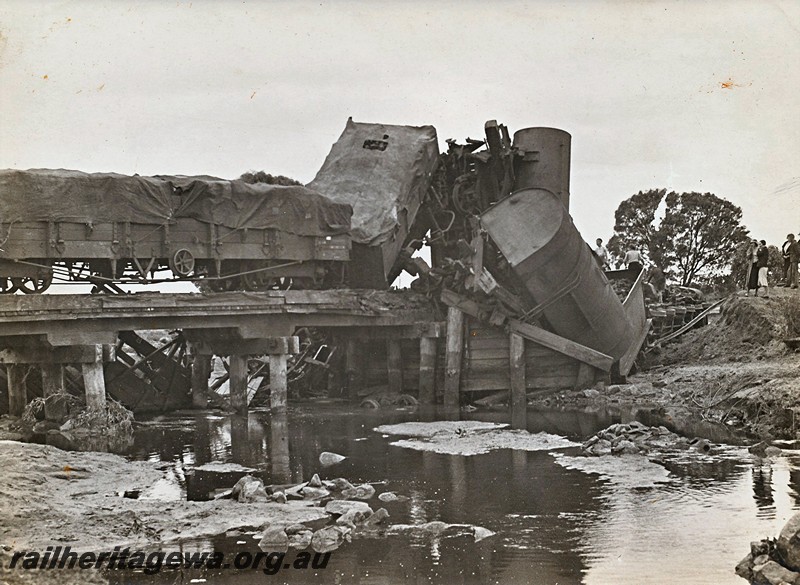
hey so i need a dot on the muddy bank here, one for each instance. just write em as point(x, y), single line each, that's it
point(736, 372)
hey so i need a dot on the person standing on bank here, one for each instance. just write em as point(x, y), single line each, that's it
point(601, 254)
point(633, 260)
point(763, 265)
point(786, 259)
point(794, 259)
point(752, 268)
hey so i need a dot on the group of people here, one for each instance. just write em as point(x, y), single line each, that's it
point(632, 261)
point(758, 265)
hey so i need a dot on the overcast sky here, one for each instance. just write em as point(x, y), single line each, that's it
point(701, 96)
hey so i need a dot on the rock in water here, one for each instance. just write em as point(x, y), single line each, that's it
point(377, 518)
point(774, 574)
point(344, 506)
point(481, 533)
point(789, 543)
point(329, 538)
point(327, 459)
point(315, 481)
point(361, 492)
point(249, 489)
point(274, 540)
point(388, 497)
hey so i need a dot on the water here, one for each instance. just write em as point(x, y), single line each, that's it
point(558, 518)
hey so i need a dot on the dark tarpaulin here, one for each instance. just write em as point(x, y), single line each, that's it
point(379, 169)
point(61, 195)
point(236, 204)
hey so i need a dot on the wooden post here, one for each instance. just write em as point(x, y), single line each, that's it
point(352, 369)
point(394, 366)
point(94, 382)
point(201, 369)
point(278, 386)
point(240, 437)
point(55, 406)
point(452, 372)
point(519, 401)
point(238, 383)
point(17, 389)
point(427, 370)
point(279, 447)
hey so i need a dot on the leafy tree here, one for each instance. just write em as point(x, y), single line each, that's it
point(696, 242)
point(700, 233)
point(635, 226)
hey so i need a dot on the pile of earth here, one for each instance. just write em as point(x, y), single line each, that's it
point(748, 328)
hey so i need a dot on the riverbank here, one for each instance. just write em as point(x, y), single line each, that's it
point(737, 371)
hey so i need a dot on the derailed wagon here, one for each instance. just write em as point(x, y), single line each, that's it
point(108, 228)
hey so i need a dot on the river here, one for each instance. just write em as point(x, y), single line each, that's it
point(558, 518)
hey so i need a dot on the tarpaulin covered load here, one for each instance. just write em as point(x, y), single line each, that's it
point(380, 170)
point(62, 195)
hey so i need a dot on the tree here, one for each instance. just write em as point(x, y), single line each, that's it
point(695, 242)
point(700, 233)
point(635, 226)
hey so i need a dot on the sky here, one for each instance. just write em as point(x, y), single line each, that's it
point(688, 96)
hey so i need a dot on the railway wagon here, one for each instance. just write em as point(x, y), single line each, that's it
point(384, 172)
point(108, 229)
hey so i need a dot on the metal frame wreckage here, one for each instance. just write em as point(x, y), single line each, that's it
point(295, 280)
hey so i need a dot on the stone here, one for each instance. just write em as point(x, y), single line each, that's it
point(745, 568)
point(339, 484)
point(789, 543)
point(700, 445)
point(329, 538)
point(353, 517)
point(481, 533)
point(249, 489)
point(376, 518)
point(625, 447)
point(314, 493)
point(343, 506)
point(774, 574)
point(388, 497)
point(315, 481)
point(326, 459)
point(299, 536)
point(279, 497)
point(360, 492)
point(274, 539)
point(590, 393)
point(772, 451)
point(602, 447)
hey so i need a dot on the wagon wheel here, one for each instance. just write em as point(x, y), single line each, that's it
point(7, 286)
point(33, 286)
point(256, 281)
point(182, 263)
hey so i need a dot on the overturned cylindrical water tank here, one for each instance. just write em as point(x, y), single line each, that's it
point(535, 233)
point(543, 161)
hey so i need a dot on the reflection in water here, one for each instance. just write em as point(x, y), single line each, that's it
point(553, 524)
point(762, 488)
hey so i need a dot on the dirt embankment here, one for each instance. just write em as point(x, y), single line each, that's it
point(737, 370)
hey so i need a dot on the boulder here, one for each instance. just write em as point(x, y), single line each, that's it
point(249, 489)
point(771, 573)
point(326, 459)
point(299, 536)
point(329, 538)
point(274, 539)
point(360, 492)
point(315, 481)
point(353, 517)
point(388, 497)
point(341, 507)
point(789, 543)
point(339, 484)
point(376, 518)
point(314, 493)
